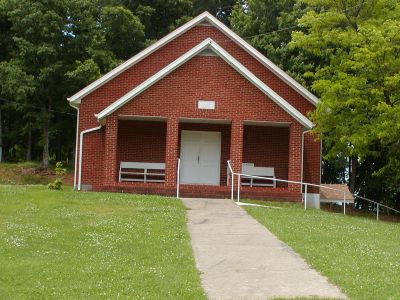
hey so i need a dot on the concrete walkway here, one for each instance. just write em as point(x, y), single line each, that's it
point(240, 259)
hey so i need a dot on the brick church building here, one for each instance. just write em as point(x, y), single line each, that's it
point(184, 108)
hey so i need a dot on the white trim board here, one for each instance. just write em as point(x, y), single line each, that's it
point(142, 118)
point(266, 123)
point(204, 17)
point(210, 44)
point(203, 121)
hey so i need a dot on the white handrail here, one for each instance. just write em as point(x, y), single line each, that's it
point(344, 201)
point(238, 191)
point(232, 177)
point(377, 205)
point(178, 177)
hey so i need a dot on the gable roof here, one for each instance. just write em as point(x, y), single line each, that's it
point(204, 17)
point(207, 44)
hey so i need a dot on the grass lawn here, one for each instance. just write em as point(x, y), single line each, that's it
point(69, 245)
point(361, 256)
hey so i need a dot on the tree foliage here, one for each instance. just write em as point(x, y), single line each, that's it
point(160, 16)
point(268, 25)
point(55, 47)
point(222, 9)
point(49, 49)
point(359, 112)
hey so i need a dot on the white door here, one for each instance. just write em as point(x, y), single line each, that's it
point(200, 157)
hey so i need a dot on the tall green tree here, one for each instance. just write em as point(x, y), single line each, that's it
point(267, 25)
point(222, 9)
point(159, 16)
point(55, 47)
point(359, 112)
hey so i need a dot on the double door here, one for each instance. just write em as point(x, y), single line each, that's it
point(200, 157)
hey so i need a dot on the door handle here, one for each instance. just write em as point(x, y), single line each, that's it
point(198, 159)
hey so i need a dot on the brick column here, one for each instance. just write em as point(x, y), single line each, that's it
point(295, 156)
point(110, 150)
point(312, 162)
point(171, 155)
point(236, 152)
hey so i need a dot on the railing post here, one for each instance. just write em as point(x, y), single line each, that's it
point(305, 196)
point(377, 211)
point(232, 184)
point(238, 191)
point(344, 203)
point(177, 178)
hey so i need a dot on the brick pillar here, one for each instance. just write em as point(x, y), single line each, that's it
point(236, 152)
point(295, 156)
point(171, 154)
point(110, 151)
point(312, 161)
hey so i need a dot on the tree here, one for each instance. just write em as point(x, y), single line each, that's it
point(222, 9)
point(267, 25)
point(159, 16)
point(360, 86)
point(55, 47)
point(124, 33)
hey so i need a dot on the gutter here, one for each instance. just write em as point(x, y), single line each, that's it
point(80, 153)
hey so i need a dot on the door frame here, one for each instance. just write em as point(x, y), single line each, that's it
point(219, 134)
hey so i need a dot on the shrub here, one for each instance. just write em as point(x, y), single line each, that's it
point(55, 185)
point(60, 171)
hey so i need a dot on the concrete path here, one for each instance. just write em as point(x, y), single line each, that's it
point(240, 259)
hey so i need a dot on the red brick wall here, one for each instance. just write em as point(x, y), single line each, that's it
point(267, 147)
point(93, 158)
point(110, 150)
point(140, 141)
point(211, 78)
point(175, 96)
point(117, 87)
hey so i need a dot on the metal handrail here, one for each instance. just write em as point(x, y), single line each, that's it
point(366, 199)
point(178, 177)
point(306, 185)
point(305, 190)
point(232, 177)
point(377, 205)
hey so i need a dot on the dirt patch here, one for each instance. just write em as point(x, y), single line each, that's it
point(30, 173)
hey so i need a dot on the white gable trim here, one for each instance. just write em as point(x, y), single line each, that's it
point(207, 43)
point(76, 98)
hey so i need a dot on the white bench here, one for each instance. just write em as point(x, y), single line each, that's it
point(250, 169)
point(139, 171)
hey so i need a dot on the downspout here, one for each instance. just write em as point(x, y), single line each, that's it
point(80, 152)
point(76, 146)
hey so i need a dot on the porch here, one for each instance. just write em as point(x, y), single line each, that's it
point(204, 146)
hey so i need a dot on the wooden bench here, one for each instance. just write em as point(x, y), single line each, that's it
point(250, 169)
point(141, 171)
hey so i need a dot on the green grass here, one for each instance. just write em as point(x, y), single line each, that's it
point(361, 256)
point(70, 245)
